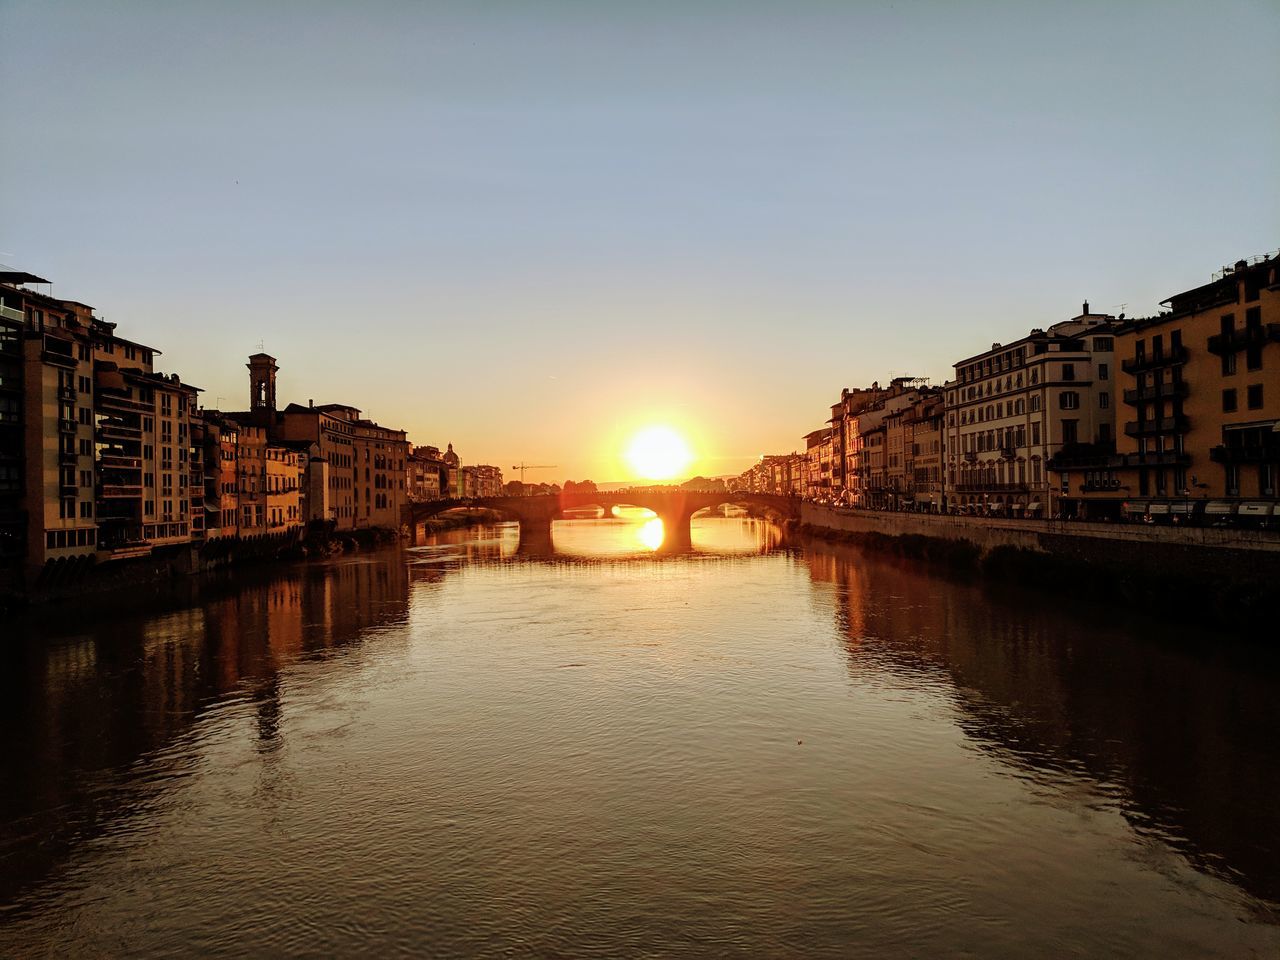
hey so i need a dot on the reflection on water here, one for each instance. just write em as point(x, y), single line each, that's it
point(609, 750)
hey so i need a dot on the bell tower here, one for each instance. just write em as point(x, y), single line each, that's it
point(262, 383)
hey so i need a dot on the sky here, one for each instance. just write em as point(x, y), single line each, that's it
point(533, 228)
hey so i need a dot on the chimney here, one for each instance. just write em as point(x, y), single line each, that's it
point(311, 403)
point(1086, 308)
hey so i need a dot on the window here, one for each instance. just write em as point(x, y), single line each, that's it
point(1229, 400)
point(1069, 400)
point(1068, 371)
point(1103, 344)
point(1254, 396)
point(1035, 403)
point(1104, 400)
point(1253, 357)
point(1070, 431)
point(1104, 373)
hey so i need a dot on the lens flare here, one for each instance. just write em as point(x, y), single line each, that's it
point(658, 453)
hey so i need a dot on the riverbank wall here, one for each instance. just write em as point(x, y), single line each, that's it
point(1209, 573)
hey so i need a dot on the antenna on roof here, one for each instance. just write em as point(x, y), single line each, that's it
point(261, 347)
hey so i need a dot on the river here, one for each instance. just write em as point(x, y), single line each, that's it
point(750, 749)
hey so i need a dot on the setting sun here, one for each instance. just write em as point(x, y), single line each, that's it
point(658, 453)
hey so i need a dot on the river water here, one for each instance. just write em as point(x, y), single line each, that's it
point(749, 749)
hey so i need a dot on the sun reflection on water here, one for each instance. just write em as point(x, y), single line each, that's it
point(650, 533)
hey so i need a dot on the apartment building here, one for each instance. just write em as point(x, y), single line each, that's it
point(924, 448)
point(428, 475)
point(382, 454)
point(867, 465)
point(1014, 407)
point(1200, 388)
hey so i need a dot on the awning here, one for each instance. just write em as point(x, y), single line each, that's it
point(1161, 508)
point(1255, 510)
point(1180, 506)
point(1220, 507)
point(1135, 507)
point(1033, 505)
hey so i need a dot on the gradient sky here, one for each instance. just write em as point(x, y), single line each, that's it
point(529, 228)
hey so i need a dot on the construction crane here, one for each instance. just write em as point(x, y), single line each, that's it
point(522, 467)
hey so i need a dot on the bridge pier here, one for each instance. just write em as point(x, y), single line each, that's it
point(677, 535)
point(535, 538)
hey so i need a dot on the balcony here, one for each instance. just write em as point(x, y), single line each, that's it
point(1008, 452)
point(1174, 355)
point(119, 461)
point(1099, 486)
point(1162, 391)
point(57, 358)
point(991, 488)
point(66, 426)
point(67, 393)
point(1147, 428)
point(118, 431)
point(114, 401)
point(11, 313)
point(120, 491)
point(971, 456)
point(1243, 338)
point(68, 458)
point(1164, 458)
point(1257, 453)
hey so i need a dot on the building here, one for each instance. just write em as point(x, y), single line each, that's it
point(817, 451)
point(427, 474)
point(867, 467)
point(380, 489)
point(1013, 408)
point(1199, 385)
point(453, 469)
point(925, 439)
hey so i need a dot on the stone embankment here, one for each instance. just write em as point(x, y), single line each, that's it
point(1213, 573)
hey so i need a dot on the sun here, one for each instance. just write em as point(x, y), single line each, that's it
point(658, 453)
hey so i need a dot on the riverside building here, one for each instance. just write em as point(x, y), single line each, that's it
point(1012, 408)
point(1200, 389)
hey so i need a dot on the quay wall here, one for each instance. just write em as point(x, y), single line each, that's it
point(1233, 574)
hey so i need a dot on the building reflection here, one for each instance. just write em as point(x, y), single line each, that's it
point(96, 708)
point(1175, 727)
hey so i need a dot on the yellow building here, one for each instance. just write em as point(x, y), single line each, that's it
point(1199, 392)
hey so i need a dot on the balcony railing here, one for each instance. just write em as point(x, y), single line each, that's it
point(115, 491)
point(12, 313)
point(971, 455)
point(66, 393)
point(1243, 338)
point(61, 359)
point(108, 400)
point(114, 461)
point(118, 431)
point(68, 457)
point(66, 426)
point(1163, 458)
point(1008, 452)
point(991, 488)
point(1257, 453)
point(1153, 361)
point(1163, 391)
point(1146, 428)
point(1097, 486)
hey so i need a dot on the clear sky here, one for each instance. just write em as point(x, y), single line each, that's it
point(530, 228)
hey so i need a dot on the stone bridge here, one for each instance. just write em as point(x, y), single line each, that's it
point(675, 507)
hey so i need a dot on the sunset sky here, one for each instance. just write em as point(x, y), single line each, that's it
point(532, 229)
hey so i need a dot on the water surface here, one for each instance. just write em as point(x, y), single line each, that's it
point(601, 750)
